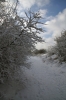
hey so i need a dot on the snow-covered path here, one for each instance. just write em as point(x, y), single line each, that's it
point(44, 81)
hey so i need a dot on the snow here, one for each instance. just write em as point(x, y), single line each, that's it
point(44, 80)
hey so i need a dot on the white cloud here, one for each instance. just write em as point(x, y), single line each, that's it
point(45, 45)
point(57, 24)
point(27, 4)
point(42, 2)
point(43, 12)
point(42, 45)
point(54, 28)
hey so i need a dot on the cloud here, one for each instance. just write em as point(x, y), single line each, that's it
point(27, 4)
point(45, 45)
point(42, 46)
point(43, 12)
point(55, 25)
point(42, 2)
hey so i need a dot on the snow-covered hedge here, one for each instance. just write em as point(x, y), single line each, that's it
point(61, 46)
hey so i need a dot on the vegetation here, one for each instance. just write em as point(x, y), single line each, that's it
point(41, 51)
point(60, 48)
point(51, 50)
point(17, 38)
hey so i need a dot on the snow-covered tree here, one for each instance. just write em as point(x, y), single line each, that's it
point(17, 38)
point(61, 46)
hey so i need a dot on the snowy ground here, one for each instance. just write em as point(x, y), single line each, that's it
point(44, 80)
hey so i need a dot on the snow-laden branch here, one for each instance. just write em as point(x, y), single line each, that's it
point(18, 36)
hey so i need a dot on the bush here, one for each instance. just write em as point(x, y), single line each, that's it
point(41, 51)
point(61, 46)
point(51, 51)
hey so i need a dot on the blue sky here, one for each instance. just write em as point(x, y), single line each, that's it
point(56, 6)
point(53, 7)
point(54, 12)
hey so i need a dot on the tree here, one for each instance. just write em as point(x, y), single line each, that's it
point(61, 46)
point(17, 38)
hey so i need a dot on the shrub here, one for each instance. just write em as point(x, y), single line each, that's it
point(61, 46)
point(51, 51)
point(41, 51)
